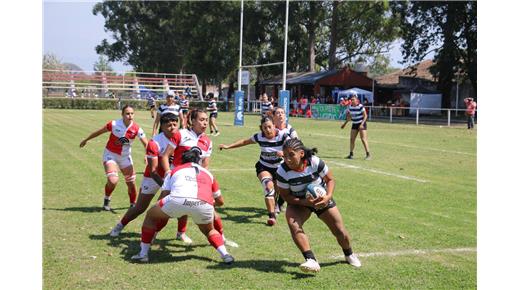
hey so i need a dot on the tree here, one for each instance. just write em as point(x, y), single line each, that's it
point(52, 62)
point(380, 65)
point(102, 64)
point(449, 30)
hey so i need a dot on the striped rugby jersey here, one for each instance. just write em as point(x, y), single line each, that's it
point(356, 113)
point(265, 107)
point(269, 147)
point(185, 104)
point(297, 182)
point(290, 131)
point(212, 107)
point(173, 108)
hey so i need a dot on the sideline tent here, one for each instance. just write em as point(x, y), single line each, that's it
point(362, 94)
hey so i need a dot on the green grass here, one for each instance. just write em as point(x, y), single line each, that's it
point(383, 211)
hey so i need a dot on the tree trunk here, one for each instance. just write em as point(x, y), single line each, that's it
point(312, 36)
point(333, 35)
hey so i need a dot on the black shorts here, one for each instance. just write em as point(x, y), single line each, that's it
point(318, 212)
point(152, 106)
point(185, 111)
point(260, 167)
point(356, 126)
point(213, 115)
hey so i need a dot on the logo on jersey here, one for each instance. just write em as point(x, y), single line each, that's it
point(123, 141)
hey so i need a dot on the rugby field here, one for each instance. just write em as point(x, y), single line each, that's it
point(411, 211)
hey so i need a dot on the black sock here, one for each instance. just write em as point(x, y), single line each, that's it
point(280, 201)
point(272, 215)
point(308, 255)
point(347, 252)
point(368, 153)
point(351, 153)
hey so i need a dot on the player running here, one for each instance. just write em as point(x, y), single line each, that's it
point(169, 107)
point(151, 104)
point(117, 152)
point(300, 168)
point(185, 107)
point(266, 107)
point(153, 174)
point(190, 189)
point(270, 141)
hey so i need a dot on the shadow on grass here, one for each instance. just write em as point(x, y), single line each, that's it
point(271, 266)
point(129, 244)
point(252, 213)
point(88, 209)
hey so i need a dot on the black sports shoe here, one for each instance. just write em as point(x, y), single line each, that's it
point(350, 156)
point(106, 204)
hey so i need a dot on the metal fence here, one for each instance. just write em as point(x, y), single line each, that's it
point(390, 114)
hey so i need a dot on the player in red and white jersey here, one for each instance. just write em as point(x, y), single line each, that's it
point(191, 190)
point(153, 174)
point(117, 152)
point(183, 140)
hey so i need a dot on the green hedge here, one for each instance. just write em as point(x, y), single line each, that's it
point(111, 104)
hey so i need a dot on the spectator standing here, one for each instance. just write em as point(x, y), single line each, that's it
point(471, 108)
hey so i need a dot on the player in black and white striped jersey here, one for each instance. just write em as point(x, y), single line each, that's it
point(185, 108)
point(266, 107)
point(213, 114)
point(169, 107)
point(300, 168)
point(270, 141)
point(357, 113)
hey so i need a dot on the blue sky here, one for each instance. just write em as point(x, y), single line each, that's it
point(71, 32)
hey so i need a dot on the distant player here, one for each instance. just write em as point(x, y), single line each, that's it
point(270, 141)
point(185, 108)
point(300, 168)
point(213, 114)
point(117, 153)
point(153, 174)
point(169, 107)
point(357, 113)
point(190, 189)
point(266, 107)
point(151, 104)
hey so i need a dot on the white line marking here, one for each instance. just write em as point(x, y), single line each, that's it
point(401, 145)
point(377, 171)
point(411, 252)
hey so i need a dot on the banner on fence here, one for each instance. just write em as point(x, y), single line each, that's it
point(239, 108)
point(284, 102)
point(330, 112)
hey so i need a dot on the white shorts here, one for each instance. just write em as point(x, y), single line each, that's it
point(200, 211)
point(121, 161)
point(149, 186)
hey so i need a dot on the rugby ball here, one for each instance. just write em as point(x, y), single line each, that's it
point(315, 190)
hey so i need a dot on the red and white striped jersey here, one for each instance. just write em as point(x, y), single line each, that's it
point(184, 139)
point(155, 149)
point(191, 180)
point(121, 137)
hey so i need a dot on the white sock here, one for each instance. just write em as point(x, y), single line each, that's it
point(144, 249)
point(222, 250)
point(119, 224)
point(223, 238)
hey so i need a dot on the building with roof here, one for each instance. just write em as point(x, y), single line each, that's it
point(315, 83)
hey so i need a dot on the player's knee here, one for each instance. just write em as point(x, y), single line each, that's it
point(268, 186)
point(112, 177)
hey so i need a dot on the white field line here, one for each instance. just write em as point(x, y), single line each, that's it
point(401, 145)
point(411, 253)
point(377, 171)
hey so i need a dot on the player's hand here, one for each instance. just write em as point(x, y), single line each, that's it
point(321, 202)
point(343, 126)
point(82, 144)
point(223, 146)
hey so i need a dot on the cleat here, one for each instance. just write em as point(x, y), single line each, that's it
point(132, 205)
point(230, 243)
point(350, 157)
point(271, 221)
point(183, 237)
point(228, 259)
point(116, 230)
point(139, 258)
point(310, 265)
point(353, 260)
point(106, 204)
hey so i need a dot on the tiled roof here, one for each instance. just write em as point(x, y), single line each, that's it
point(422, 72)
